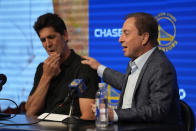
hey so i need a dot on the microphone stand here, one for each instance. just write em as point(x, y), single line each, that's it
point(76, 87)
point(71, 119)
point(4, 116)
point(3, 80)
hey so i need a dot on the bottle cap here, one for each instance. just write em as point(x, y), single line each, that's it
point(101, 85)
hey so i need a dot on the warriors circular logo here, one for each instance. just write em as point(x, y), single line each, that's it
point(167, 31)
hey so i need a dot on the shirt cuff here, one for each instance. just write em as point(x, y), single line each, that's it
point(115, 116)
point(100, 70)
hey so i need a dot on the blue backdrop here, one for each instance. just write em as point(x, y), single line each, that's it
point(177, 36)
point(21, 50)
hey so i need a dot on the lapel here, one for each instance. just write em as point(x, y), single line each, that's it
point(142, 72)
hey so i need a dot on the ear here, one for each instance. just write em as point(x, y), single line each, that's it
point(145, 38)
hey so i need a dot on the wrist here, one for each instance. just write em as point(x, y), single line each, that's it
point(98, 66)
point(46, 77)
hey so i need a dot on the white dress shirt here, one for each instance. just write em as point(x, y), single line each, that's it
point(130, 86)
point(136, 66)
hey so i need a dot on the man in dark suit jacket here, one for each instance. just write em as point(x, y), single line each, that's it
point(149, 90)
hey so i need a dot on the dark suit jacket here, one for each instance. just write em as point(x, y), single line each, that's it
point(156, 95)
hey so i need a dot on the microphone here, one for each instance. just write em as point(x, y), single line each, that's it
point(77, 87)
point(3, 80)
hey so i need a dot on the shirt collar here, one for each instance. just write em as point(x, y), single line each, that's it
point(69, 60)
point(141, 60)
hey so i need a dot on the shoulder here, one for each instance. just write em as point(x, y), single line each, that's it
point(158, 64)
point(40, 67)
point(82, 71)
point(83, 67)
point(159, 58)
point(39, 71)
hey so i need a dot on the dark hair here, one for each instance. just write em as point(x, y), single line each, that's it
point(50, 20)
point(146, 23)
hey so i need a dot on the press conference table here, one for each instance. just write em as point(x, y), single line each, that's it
point(84, 126)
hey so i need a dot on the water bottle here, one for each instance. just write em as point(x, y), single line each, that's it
point(101, 102)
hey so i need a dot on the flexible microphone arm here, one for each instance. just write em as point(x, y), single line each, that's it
point(71, 119)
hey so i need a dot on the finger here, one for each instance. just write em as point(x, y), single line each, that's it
point(85, 61)
point(51, 65)
point(52, 59)
point(88, 58)
point(85, 57)
point(55, 64)
point(54, 56)
point(93, 107)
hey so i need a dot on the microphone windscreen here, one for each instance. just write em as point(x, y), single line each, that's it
point(3, 79)
point(78, 86)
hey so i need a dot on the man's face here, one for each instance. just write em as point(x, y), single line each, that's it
point(52, 41)
point(130, 39)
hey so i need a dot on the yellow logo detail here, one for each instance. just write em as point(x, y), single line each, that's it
point(113, 97)
point(167, 31)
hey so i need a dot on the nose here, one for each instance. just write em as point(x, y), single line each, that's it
point(121, 39)
point(48, 43)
